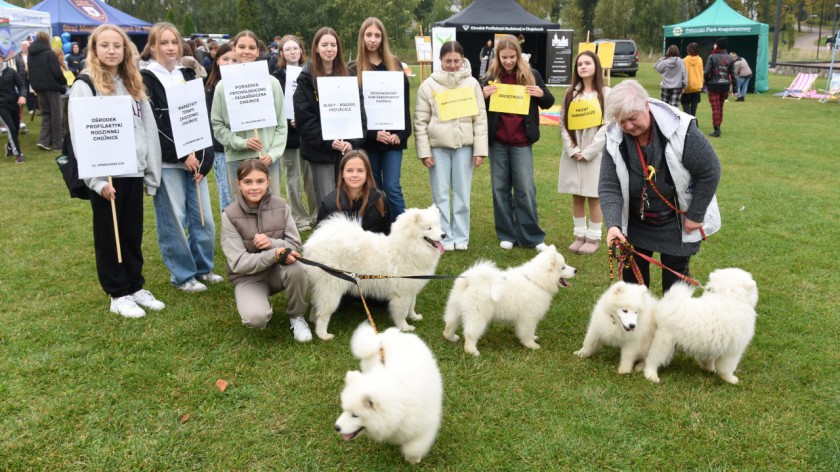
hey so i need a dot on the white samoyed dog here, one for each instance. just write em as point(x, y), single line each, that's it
point(715, 328)
point(413, 248)
point(519, 295)
point(623, 318)
point(398, 402)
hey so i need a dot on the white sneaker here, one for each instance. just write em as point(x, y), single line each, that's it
point(145, 299)
point(449, 247)
point(541, 247)
point(192, 285)
point(300, 329)
point(461, 247)
point(210, 278)
point(506, 245)
point(125, 306)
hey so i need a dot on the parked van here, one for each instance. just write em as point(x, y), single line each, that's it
point(626, 59)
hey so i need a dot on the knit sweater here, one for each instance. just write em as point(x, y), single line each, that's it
point(672, 71)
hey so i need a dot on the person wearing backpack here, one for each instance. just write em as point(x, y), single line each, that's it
point(12, 97)
point(112, 67)
point(718, 74)
point(187, 243)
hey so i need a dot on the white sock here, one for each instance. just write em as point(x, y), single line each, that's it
point(580, 227)
point(594, 231)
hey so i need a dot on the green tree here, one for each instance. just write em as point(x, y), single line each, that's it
point(170, 17)
point(611, 17)
point(246, 16)
point(188, 27)
point(571, 17)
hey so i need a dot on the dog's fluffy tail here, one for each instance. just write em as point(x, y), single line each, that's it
point(678, 292)
point(365, 342)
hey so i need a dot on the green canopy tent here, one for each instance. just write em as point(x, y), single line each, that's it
point(746, 37)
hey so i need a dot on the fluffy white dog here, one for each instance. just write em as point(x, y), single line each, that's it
point(519, 295)
point(715, 328)
point(623, 317)
point(413, 248)
point(398, 402)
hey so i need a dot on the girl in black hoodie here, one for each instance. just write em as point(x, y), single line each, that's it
point(12, 97)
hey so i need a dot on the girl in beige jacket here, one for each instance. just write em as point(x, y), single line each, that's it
point(450, 149)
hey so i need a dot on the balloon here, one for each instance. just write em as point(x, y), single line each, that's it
point(65, 38)
point(56, 42)
point(66, 47)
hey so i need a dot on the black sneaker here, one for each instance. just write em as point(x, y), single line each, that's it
point(19, 159)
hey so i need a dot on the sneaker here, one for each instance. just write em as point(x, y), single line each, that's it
point(506, 245)
point(192, 285)
point(19, 159)
point(541, 247)
point(579, 242)
point(210, 278)
point(125, 306)
point(461, 247)
point(145, 299)
point(300, 329)
point(42, 147)
point(590, 246)
point(449, 247)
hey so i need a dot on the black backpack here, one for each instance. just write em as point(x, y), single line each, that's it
point(67, 163)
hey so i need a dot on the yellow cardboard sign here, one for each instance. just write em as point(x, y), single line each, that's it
point(585, 114)
point(586, 47)
point(510, 98)
point(456, 103)
point(606, 51)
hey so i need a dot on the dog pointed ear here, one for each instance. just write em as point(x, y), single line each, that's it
point(352, 376)
point(618, 288)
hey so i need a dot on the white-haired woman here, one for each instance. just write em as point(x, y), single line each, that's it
point(658, 180)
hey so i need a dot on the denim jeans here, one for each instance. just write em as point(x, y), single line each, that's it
point(515, 195)
point(177, 213)
point(222, 185)
point(274, 176)
point(743, 85)
point(386, 167)
point(453, 170)
point(298, 182)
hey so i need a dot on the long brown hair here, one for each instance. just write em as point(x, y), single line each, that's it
point(524, 75)
point(316, 64)
point(368, 187)
point(281, 60)
point(127, 70)
point(215, 70)
point(155, 35)
point(362, 60)
point(578, 87)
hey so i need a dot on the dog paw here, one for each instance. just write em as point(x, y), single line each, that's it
point(415, 316)
point(623, 369)
point(406, 327)
point(640, 367)
point(581, 353)
point(652, 377)
point(471, 350)
point(325, 336)
point(531, 345)
point(413, 460)
point(730, 378)
point(452, 338)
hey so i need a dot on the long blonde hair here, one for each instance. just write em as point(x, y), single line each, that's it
point(127, 70)
point(524, 76)
point(362, 60)
point(155, 35)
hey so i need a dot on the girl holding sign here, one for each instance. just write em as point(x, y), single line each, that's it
point(384, 148)
point(267, 144)
point(187, 240)
point(582, 131)
point(450, 125)
point(298, 174)
point(323, 156)
point(511, 155)
point(112, 67)
point(224, 56)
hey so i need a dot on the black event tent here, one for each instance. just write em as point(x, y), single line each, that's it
point(483, 19)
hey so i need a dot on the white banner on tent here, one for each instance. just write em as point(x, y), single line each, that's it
point(292, 73)
point(103, 128)
point(440, 36)
point(384, 99)
point(189, 118)
point(248, 95)
point(341, 114)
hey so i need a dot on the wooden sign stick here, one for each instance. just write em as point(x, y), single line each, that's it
point(116, 227)
point(198, 196)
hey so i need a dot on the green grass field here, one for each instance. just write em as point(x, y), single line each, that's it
point(83, 389)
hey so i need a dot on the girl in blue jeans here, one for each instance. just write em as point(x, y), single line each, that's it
point(511, 139)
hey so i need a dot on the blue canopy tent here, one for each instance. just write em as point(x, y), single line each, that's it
point(24, 23)
point(81, 17)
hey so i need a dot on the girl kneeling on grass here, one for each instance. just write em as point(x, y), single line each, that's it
point(357, 196)
point(112, 67)
point(261, 244)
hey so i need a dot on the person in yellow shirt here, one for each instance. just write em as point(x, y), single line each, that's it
point(694, 70)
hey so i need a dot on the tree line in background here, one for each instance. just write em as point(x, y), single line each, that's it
point(641, 20)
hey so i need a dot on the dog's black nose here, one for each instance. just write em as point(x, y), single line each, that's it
point(442, 235)
point(632, 325)
point(574, 271)
point(337, 428)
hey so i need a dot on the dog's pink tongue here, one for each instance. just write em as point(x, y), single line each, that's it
point(439, 246)
point(348, 437)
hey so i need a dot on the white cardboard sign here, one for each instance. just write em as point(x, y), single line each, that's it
point(248, 95)
point(341, 114)
point(292, 73)
point(103, 132)
point(189, 118)
point(384, 99)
